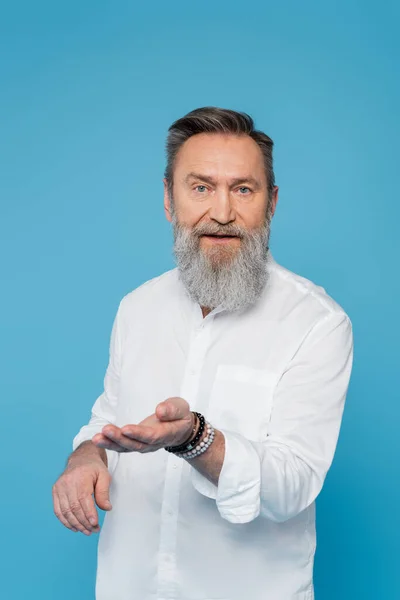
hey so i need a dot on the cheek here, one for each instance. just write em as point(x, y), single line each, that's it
point(192, 215)
point(250, 222)
point(253, 217)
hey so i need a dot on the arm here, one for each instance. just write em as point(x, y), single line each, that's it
point(87, 450)
point(104, 409)
point(210, 463)
point(281, 477)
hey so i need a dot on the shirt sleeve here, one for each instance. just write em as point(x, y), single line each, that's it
point(281, 476)
point(103, 411)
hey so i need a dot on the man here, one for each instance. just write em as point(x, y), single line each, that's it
point(222, 399)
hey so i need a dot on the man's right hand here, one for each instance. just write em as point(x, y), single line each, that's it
point(73, 502)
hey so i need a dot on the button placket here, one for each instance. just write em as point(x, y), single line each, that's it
point(170, 506)
point(197, 351)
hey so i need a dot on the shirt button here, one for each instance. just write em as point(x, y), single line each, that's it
point(174, 466)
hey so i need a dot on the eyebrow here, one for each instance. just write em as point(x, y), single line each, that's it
point(211, 180)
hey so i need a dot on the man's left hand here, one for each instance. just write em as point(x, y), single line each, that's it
point(170, 425)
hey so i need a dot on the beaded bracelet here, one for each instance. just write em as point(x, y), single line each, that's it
point(202, 446)
point(190, 443)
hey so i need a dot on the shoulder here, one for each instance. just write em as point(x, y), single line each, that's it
point(150, 293)
point(303, 295)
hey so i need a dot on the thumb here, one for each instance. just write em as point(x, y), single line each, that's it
point(101, 491)
point(172, 409)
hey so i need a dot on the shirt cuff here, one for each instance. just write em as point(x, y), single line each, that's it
point(112, 460)
point(238, 492)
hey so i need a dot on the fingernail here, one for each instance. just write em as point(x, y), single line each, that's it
point(93, 521)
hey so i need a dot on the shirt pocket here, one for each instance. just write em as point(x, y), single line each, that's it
point(241, 400)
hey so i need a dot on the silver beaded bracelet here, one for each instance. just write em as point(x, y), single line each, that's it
point(201, 446)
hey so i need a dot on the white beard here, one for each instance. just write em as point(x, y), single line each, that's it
point(226, 275)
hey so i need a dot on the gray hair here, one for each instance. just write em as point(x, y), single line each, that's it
point(211, 119)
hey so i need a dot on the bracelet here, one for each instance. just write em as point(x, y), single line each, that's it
point(202, 446)
point(190, 440)
point(190, 443)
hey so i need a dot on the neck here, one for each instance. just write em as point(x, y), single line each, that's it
point(205, 311)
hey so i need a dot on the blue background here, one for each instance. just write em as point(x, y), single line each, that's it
point(88, 90)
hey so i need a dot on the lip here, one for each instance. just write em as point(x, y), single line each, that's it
point(220, 239)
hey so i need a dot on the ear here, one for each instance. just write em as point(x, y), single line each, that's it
point(274, 200)
point(167, 202)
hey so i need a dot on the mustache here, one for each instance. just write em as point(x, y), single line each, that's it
point(229, 232)
point(232, 230)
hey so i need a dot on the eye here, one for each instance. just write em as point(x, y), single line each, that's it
point(244, 188)
point(200, 186)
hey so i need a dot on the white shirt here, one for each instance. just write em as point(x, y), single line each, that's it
point(273, 379)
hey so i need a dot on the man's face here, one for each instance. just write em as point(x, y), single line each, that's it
point(220, 188)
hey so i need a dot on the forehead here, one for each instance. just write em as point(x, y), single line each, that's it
point(220, 155)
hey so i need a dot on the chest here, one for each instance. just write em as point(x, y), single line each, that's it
point(227, 373)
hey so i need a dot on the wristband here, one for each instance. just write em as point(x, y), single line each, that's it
point(192, 441)
point(202, 446)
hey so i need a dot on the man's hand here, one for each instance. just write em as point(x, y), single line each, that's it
point(170, 425)
point(73, 501)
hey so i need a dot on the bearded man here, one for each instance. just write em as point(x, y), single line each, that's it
point(223, 396)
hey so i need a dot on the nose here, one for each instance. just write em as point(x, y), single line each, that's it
point(221, 207)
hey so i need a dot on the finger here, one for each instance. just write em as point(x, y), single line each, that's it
point(69, 515)
point(142, 433)
point(103, 441)
point(75, 503)
point(113, 434)
point(58, 513)
point(90, 512)
point(102, 492)
point(154, 438)
point(123, 443)
point(172, 409)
